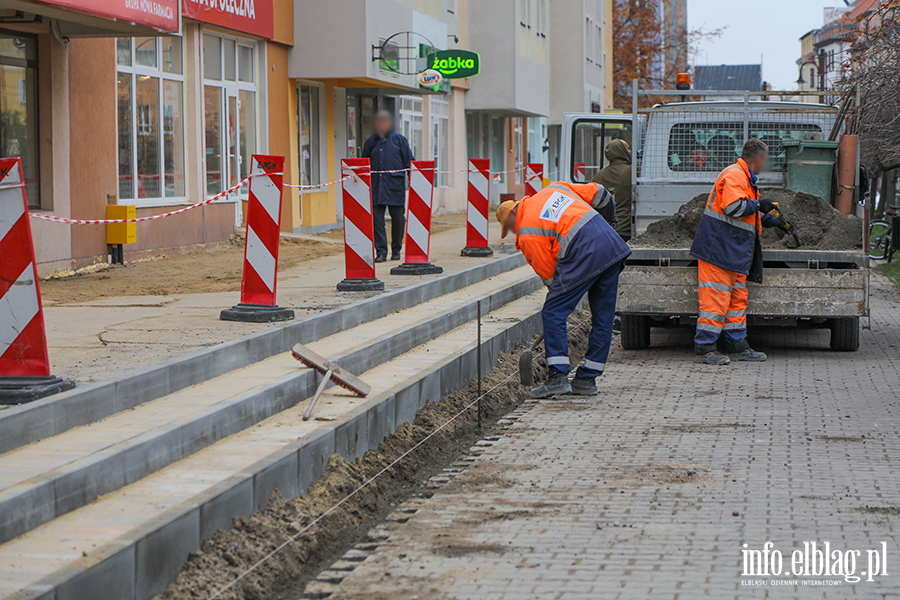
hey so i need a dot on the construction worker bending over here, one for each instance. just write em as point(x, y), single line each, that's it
point(727, 249)
point(575, 251)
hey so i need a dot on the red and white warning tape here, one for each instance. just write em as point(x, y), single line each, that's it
point(218, 196)
point(221, 195)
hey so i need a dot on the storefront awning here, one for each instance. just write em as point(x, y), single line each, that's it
point(97, 18)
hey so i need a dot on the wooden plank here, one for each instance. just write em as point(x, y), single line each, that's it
point(340, 376)
point(785, 292)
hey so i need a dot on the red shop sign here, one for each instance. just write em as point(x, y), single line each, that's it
point(159, 14)
point(255, 17)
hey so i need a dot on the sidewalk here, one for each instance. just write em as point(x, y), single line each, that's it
point(94, 340)
point(651, 488)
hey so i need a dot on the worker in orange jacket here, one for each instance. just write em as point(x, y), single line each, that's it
point(728, 251)
point(566, 233)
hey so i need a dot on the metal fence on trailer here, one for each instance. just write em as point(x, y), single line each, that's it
point(703, 138)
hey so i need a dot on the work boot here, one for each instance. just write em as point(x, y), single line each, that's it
point(712, 358)
point(380, 258)
point(556, 385)
point(748, 355)
point(395, 256)
point(584, 386)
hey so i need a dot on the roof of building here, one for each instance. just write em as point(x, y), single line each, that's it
point(728, 77)
point(859, 8)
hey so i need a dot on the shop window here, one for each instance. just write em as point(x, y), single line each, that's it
point(18, 108)
point(308, 126)
point(150, 100)
point(230, 111)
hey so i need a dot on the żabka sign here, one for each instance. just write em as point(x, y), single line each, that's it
point(255, 17)
point(159, 14)
point(455, 64)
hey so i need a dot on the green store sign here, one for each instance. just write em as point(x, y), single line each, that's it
point(455, 64)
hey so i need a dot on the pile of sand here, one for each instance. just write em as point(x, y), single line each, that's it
point(820, 226)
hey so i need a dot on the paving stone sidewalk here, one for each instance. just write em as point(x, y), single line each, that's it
point(649, 489)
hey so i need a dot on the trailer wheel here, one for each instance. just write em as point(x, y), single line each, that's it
point(845, 334)
point(635, 332)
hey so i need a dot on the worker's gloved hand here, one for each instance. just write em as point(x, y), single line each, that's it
point(767, 206)
point(770, 221)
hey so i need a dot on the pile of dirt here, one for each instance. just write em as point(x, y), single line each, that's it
point(820, 226)
point(228, 554)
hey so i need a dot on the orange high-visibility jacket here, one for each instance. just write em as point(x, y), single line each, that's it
point(548, 227)
point(730, 223)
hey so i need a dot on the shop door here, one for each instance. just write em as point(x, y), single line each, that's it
point(235, 141)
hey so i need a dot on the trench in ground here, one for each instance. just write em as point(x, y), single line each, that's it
point(284, 576)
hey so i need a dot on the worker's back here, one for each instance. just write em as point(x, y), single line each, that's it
point(564, 238)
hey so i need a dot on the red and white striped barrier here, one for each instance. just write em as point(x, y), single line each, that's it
point(24, 363)
point(261, 248)
point(534, 178)
point(359, 229)
point(418, 221)
point(477, 208)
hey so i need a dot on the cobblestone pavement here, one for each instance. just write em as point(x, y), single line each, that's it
point(649, 489)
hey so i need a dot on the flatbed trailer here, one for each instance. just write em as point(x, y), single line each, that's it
point(801, 288)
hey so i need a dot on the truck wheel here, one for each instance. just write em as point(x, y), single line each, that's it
point(845, 334)
point(635, 332)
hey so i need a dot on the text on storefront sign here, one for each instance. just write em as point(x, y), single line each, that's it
point(255, 17)
point(456, 64)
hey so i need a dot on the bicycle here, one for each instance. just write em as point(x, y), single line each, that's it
point(881, 243)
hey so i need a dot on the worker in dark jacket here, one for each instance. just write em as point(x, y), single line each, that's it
point(727, 250)
point(616, 177)
point(565, 234)
point(388, 151)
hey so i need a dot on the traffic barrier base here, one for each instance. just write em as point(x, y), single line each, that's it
point(476, 251)
point(19, 390)
point(361, 285)
point(416, 269)
point(261, 248)
point(256, 313)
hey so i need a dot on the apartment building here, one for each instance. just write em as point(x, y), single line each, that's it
point(825, 52)
point(112, 105)
point(580, 57)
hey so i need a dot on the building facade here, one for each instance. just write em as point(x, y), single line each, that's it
point(580, 80)
point(825, 53)
point(113, 106)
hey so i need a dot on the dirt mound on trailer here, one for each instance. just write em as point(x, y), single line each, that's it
point(820, 226)
point(229, 554)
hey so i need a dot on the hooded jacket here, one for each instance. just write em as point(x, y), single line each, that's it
point(616, 177)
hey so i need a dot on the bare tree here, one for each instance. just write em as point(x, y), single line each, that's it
point(874, 71)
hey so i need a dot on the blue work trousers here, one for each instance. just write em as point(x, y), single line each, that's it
point(601, 291)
